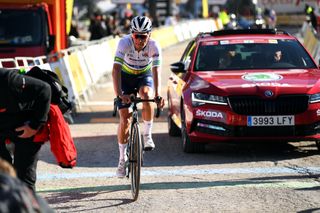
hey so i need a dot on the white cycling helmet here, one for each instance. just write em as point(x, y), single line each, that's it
point(141, 24)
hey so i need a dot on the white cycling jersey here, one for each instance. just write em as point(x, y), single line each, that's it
point(134, 62)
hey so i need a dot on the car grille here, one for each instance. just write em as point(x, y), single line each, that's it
point(282, 105)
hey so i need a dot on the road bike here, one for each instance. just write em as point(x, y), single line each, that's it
point(135, 145)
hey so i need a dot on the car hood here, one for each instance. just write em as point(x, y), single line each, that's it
point(257, 82)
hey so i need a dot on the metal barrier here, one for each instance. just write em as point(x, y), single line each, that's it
point(81, 68)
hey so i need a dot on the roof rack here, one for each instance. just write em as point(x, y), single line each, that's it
point(242, 31)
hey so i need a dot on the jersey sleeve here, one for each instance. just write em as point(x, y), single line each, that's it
point(156, 55)
point(120, 52)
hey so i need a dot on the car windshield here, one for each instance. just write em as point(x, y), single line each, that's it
point(20, 27)
point(252, 54)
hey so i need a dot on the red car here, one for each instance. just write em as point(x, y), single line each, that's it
point(244, 85)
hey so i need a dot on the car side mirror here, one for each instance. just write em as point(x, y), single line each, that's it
point(178, 67)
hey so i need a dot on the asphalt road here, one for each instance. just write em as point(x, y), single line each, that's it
point(254, 177)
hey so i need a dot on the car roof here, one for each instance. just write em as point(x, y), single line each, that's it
point(244, 33)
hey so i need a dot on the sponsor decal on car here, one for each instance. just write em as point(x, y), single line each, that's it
point(209, 114)
point(209, 43)
point(224, 42)
point(273, 41)
point(318, 112)
point(246, 41)
point(262, 77)
point(265, 84)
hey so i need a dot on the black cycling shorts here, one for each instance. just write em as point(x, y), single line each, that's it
point(130, 84)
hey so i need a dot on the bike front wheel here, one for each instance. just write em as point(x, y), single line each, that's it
point(136, 159)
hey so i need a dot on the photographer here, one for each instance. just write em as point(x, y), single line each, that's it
point(24, 107)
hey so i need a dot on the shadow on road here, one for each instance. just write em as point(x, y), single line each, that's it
point(85, 193)
point(102, 151)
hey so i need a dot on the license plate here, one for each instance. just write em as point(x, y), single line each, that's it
point(287, 120)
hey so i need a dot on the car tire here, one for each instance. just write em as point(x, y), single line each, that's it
point(187, 145)
point(173, 129)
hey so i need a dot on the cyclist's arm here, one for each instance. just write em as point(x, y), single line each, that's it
point(116, 77)
point(157, 80)
point(156, 67)
point(117, 65)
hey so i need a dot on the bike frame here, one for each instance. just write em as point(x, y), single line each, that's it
point(135, 145)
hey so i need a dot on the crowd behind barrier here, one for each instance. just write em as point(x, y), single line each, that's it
point(81, 68)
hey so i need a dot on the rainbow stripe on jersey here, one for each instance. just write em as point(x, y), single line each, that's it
point(134, 62)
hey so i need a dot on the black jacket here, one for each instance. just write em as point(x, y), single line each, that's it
point(22, 99)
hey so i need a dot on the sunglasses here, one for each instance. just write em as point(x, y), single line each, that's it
point(140, 36)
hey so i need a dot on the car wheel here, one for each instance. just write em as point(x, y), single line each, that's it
point(187, 145)
point(173, 129)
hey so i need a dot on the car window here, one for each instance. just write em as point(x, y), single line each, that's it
point(252, 54)
point(188, 53)
point(15, 32)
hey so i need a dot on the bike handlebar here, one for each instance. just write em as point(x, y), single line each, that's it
point(136, 100)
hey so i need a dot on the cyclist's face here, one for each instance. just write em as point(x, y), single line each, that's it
point(140, 40)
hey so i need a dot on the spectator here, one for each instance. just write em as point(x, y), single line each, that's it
point(24, 107)
point(312, 17)
point(270, 18)
point(112, 26)
point(224, 17)
point(74, 29)
point(126, 28)
point(97, 27)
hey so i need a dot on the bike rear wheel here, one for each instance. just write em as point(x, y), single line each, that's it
point(135, 160)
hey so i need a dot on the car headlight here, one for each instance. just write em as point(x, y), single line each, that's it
point(314, 98)
point(200, 98)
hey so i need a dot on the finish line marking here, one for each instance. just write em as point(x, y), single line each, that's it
point(159, 172)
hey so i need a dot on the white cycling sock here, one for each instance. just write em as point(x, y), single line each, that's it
point(148, 127)
point(122, 151)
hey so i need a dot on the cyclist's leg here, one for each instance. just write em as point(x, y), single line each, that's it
point(124, 124)
point(146, 92)
point(123, 127)
point(123, 134)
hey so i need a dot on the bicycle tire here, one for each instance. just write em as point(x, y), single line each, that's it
point(136, 158)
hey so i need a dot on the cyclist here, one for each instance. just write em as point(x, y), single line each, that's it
point(136, 68)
